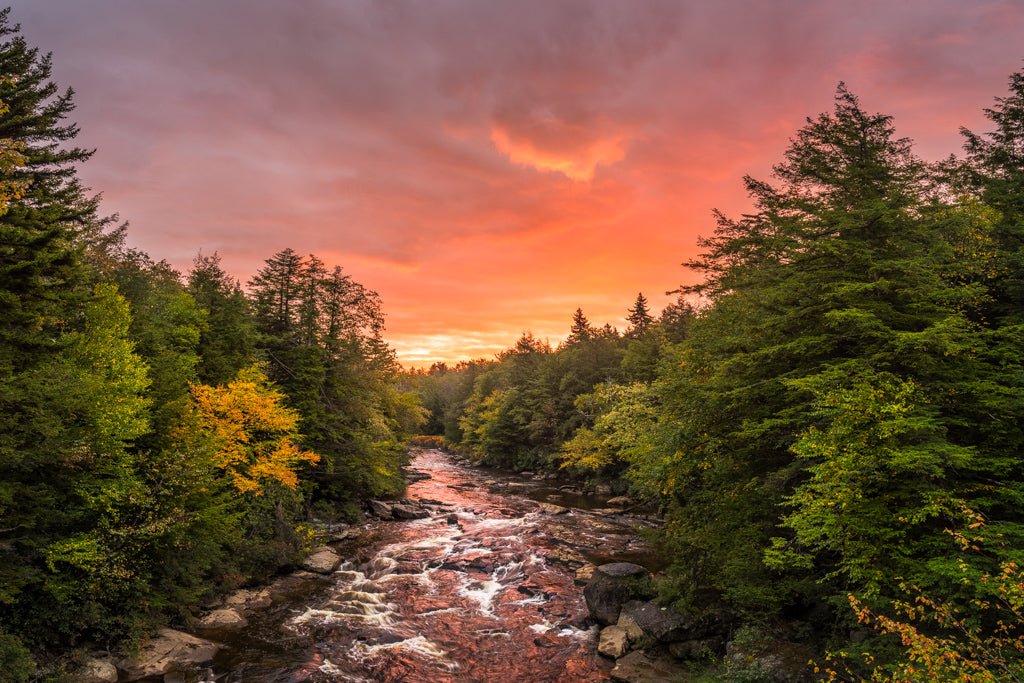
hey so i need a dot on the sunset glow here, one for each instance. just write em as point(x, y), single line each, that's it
point(487, 167)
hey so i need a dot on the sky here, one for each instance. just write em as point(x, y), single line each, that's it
point(488, 167)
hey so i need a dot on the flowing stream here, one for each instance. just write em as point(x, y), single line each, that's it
point(483, 591)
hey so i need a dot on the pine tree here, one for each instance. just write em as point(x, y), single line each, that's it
point(277, 290)
point(640, 318)
point(228, 340)
point(581, 330)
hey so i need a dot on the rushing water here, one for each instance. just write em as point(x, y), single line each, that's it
point(481, 591)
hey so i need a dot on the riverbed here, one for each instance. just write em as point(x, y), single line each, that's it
point(485, 590)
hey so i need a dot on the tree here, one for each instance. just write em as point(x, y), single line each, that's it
point(581, 330)
point(640, 318)
point(227, 342)
point(839, 273)
point(253, 434)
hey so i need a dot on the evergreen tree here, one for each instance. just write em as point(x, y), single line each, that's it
point(581, 330)
point(640, 318)
point(227, 342)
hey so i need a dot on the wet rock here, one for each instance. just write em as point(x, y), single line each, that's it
point(322, 561)
point(401, 511)
point(620, 502)
point(602, 490)
point(778, 661)
point(702, 648)
point(663, 624)
point(613, 642)
point(452, 519)
point(96, 671)
point(641, 667)
point(169, 649)
point(569, 489)
point(584, 574)
point(226, 618)
point(527, 473)
point(248, 599)
point(612, 586)
point(380, 509)
point(552, 509)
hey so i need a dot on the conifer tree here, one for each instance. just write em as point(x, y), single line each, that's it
point(581, 330)
point(640, 318)
point(227, 342)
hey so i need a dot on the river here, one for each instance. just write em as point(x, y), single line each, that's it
point(483, 591)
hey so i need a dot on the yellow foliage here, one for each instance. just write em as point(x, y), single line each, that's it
point(252, 431)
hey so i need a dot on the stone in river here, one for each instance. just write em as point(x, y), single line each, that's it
point(611, 587)
point(620, 501)
point(664, 624)
point(380, 509)
point(169, 649)
point(322, 561)
point(226, 618)
point(552, 509)
point(400, 511)
point(613, 642)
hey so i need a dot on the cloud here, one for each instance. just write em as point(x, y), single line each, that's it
point(487, 166)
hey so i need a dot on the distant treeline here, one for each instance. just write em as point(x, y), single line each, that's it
point(839, 424)
point(162, 437)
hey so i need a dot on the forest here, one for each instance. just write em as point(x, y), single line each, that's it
point(164, 436)
point(831, 421)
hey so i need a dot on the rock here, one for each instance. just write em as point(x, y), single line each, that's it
point(611, 586)
point(620, 502)
point(641, 667)
point(663, 624)
point(226, 618)
point(527, 473)
point(452, 519)
point(569, 489)
point(776, 660)
point(632, 629)
point(552, 509)
point(602, 490)
point(249, 599)
point(613, 642)
point(322, 561)
point(584, 574)
point(169, 649)
point(96, 671)
point(380, 509)
point(408, 512)
point(701, 648)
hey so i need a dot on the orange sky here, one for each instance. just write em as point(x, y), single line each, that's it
point(487, 167)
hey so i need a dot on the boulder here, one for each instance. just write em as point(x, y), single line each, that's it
point(96, 671)
point(641, 667)
point(226, 618)
point(400, 511)
point(613, 642)
point(322, 561)
point(552, 509)
point(620, 502)
point(169, 649)
point(249, 599)
point(632, 629)
point(380, 509)
point(612, 586)
point(663, 624)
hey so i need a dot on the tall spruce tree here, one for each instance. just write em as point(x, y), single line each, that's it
point(640, 318)
point(228, 339)
point(833, 284)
